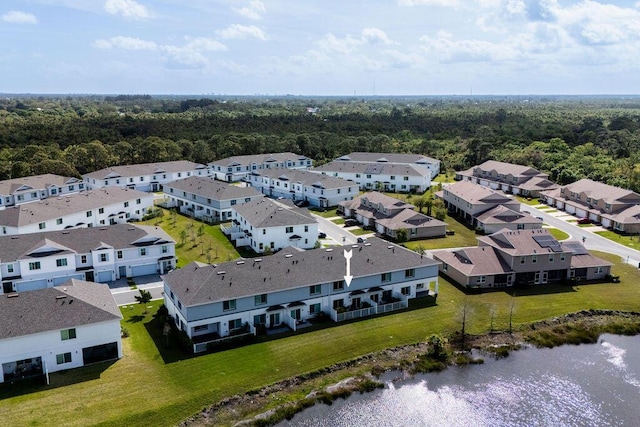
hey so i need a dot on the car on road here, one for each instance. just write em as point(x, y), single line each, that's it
point(361, 239)
point(584, 221)
point(322, 235)
point(350, 222)
point(301, 203)
point(540, 218)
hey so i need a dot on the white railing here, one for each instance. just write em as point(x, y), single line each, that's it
point(369, 311)
point(202, 346)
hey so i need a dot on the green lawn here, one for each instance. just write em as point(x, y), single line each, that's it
point(629, 241)
point(338, 221)
point(531, 202)
point(558, 234)
point(325, 213)
point(211, 246)
point(464, 236)
point(142, 390)
point(360, 231)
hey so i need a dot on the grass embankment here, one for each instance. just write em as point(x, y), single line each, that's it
point(557, 233)
point(206, 245)
point(629, 241)
point(143, 389)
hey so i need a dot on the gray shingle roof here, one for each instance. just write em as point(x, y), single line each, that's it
point(288, 269)
point(81, 240)
point(366, 168)
point(520, 242)
point(474, 193)
point(259, 159)
point(501, 214)
point(474, 261)
point(211, 188)
point(56, 207)
point(359, 156)
point(73, 303)
point(36, 182)
point(145, 169)
point(306, 178)
point(409, 218)
point(265, 213)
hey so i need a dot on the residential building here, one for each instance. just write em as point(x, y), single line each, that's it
point(316, 189)
point(418, 160)
point(401, 178)
point(523, 257)
point(502, 217)
point(508, 177)
point(39, 187)
point(468, 201)
point(289, 288)
point(40, 260)
point(144, 176)
point(85, 209)
point(262, 224)
point(236, 168)
point(387, 215)
point(206, 198)
point(613, 207)
point(54, 329)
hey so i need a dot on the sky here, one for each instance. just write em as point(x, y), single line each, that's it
point(320, 47)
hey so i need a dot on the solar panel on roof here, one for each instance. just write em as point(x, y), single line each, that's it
point(576, 248)
point(547, 241)
point(374, 169)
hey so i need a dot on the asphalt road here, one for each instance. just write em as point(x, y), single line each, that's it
point(334, 231)
point(125, 296)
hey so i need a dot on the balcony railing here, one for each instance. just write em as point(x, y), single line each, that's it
point(369, 311)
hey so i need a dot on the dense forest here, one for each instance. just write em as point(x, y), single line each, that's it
point(568, 137)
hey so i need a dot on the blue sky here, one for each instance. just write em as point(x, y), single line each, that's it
point(320, 47)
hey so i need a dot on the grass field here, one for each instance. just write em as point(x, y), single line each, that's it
point(463, 236)
point(325, 213)
point(558, 234)
point(628, 241)
point(211, 246)
point(141, 389)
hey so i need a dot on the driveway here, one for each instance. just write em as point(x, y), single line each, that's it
point(124, 295)
point(336, 234)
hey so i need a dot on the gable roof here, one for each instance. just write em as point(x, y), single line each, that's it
point(36, 182)
point(501, 215)
point(80, 240)
point(373, 168)
point(290, 268)
point(477, 261)
point(258, 159)
point(408, 158)
point(524, 242)
point(265, 213)
point(305, 177)
point(376, 198)
point(474, 193)
point(211, 188)
point(69, 305)
point(61, 206)
point(600, 191)
point(145, 169)
point(408, 218)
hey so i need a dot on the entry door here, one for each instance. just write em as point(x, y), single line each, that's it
point(88, 276)
point(7, 287)
point(274, 319)
point(536, 278)
point(545, 276)
point(122, 271)
point(295, 314)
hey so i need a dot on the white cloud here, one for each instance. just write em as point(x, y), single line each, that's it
point(254, 11)
point(204, 44)
point(237, 31)
point(428, 2)
point(18, 17)
point(375, 36)
point(349, 43)
point(127, 8)
point(126, 43)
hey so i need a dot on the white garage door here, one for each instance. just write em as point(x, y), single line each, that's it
point(31, 286)
point(143, 270)
point(606, 222)
point(581, 213)
point(104, 276)
point(571, 209)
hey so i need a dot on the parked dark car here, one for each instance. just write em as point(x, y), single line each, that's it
point(584, 221)
point(322, 235)
point(361, 239)
point(350, 222)
point(301, 203)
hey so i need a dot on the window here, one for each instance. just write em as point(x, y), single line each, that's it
point(126, 204)
point(68, 334)
point(551, 257)
point(481, 279)
point(369, 176)
point(534, 259)
point(58, 221)
point(264, 231)
point(385, 277)
point(83, 259)
point(165, 249)
point(9, 268)
point(138, 201)
point(261, 299)
point(259, 319)
point(63, 358)
point(233, 202)
point(562, 257)
point(101, 210)
point(406, 290)
point(314, 308)
point(315, 289)
point(339, 285)
point(410, 273)
point(42, 226)
point(89, 214)
point(393, 177)
point(61, 262)
point(306, 228)
point(104, 257)
point(406, 178)
point(522, 259)
point(119, 254)
point(229, 305)
point(338, 303)
point(200, 328)
point(445, 267)
point(143, 251)
point(34, 265)
point(598, 270)
point(235, 324)
point(289, 230)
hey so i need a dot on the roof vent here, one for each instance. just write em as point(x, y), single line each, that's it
point(354, 246)
point(288, 256)
point(257, 260)
point(390, 247)
point(13, 295)
point(61, 297)
point(330, 250)
point(221, 272)
point(367, 244)
point(239, 262)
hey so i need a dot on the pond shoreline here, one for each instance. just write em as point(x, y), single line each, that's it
point(282, 400)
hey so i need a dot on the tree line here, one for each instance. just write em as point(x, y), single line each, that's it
point(570, 138)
